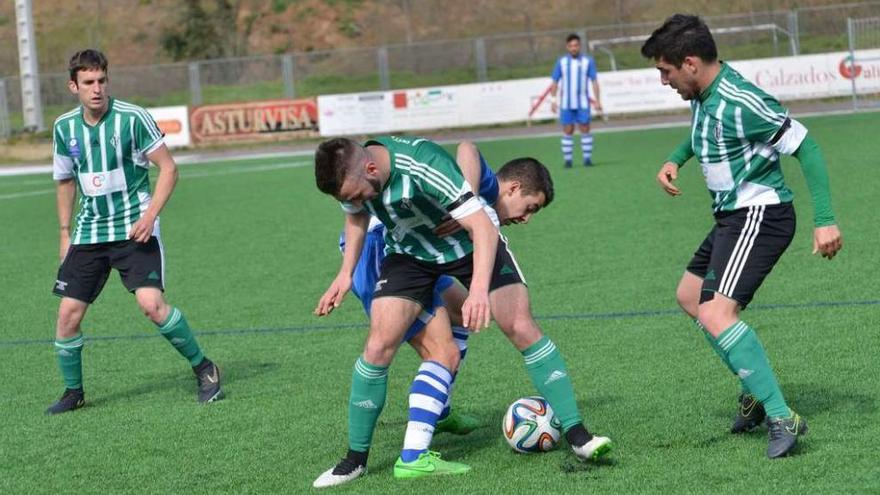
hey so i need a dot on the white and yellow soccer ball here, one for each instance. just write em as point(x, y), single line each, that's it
point(530, 426)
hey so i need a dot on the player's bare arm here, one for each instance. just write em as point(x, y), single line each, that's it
point(355, 233)
point(475, 310)
point(65, 191)
point(143, 228)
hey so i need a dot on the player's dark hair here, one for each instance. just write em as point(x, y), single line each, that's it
point(679, 37)
point(571, 37)
point(333, 160)
point(87, 59)
point(531, 174)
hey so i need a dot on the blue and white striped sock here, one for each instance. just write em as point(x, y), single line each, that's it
point(567, 147)
point(429, 391)
point(460, 335)
point(587, 146)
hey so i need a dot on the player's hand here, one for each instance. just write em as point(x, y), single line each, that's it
point(554, 107)
point(475, 312)
point(668, 173)
point(142, 229)
point(332, 297)
point(827, 240)
point(448, 227)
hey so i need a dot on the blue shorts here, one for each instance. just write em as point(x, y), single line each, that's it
point(579, 116)
point(366, 274)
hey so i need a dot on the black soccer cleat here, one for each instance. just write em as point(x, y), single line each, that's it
point(567, 164)
point(72, 399)
point(749, 415)
point(351, 467)
point(784, 433)
point(208, 376)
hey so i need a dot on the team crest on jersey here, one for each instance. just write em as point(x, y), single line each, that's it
point(719, 131)
point(73, 148)
point(114, 141)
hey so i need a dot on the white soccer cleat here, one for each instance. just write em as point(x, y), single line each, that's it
point(594, 449)
point(341, 473)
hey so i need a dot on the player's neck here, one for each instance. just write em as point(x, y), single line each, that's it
point(708, 75)
point(92, 117)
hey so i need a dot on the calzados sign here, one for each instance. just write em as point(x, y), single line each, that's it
point(274, 119)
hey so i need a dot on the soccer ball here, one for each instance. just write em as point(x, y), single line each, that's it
point(530, 425)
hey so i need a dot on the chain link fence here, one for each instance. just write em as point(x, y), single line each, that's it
point(429, 63)
point(863, 34)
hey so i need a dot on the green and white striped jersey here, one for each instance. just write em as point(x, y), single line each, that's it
point(737, 133)
point(109, 162)
point(425, 187)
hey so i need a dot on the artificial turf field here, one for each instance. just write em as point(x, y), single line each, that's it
point(251, 246)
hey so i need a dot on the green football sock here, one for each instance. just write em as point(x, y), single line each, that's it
point(746, 355)
point(369, 385)
point(176, 330)
point(547, 370)
point(69, 354)
point(721, 354)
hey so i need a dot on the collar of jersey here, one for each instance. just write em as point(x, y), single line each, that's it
point(82, 114)
point(711, 89)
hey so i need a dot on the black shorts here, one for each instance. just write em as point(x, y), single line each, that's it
point(741, 250)
point(86, 267)
point(404, 276)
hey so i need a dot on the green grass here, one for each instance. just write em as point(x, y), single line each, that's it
point(250, 248)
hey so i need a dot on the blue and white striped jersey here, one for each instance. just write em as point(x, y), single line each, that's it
point(573, 76)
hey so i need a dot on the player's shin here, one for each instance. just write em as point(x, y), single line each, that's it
point(176, 330)
point(721, 354)
point(460, 335)
point(69, 354)
point(428, 394)
point(369, 385)
point(747, 357)
point(548, 372)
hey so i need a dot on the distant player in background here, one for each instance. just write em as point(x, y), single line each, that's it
point(571, 75)
point(738, 133)
point(103, 148)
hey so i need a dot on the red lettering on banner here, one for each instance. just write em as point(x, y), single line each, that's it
point(274, 119)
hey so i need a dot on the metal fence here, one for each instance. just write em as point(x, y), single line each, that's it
point(428, 63)
point(862, 34)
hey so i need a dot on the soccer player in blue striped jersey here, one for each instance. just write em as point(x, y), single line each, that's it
point(573, 75)
point(738, 133)
point(103, 150)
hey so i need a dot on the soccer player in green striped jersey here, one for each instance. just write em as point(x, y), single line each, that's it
point(102, 152)
point(738, 133)
point(413, 186)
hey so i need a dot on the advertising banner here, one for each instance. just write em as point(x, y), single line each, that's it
point(622, 92)
point(258, 120)
point(174, 123)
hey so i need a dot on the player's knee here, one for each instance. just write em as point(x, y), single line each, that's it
point(378, 352)
point(154, 309)
point(523, 330)
point(715, 317)
point(688, 301)
point(69, 319)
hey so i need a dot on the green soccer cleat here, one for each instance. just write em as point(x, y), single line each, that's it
point(749, 416)
point(457, 424)
point(428, 464)
point(784, 433)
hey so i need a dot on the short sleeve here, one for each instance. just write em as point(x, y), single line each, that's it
point(557, 72)
point(62, 162)
point(147, 133)
point(440, 178)
point(591, 71)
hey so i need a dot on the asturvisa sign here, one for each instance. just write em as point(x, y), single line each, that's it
point(273, 119)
